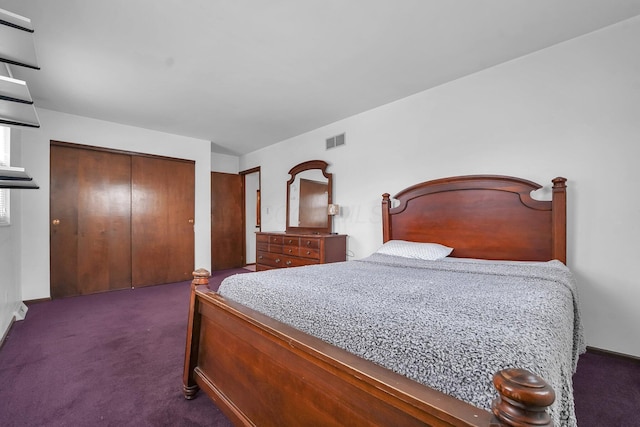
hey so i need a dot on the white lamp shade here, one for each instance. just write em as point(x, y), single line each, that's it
point(333, 209)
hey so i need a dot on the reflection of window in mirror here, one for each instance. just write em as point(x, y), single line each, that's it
point(294, 205)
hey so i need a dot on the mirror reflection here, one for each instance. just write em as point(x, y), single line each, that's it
point(308, 196)
point(308, 199)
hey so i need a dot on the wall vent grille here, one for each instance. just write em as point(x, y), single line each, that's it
point(336, 141)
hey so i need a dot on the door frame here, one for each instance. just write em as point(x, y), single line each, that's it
point(258, 226)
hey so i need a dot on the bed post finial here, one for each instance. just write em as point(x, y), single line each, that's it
point(200, 277)
point(559, 219)
point(386, 218)
point(523, 399)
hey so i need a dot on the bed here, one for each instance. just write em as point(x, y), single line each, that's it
point(263, 369)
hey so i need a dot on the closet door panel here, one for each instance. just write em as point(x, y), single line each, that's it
point(163, 199)
point(90, 228)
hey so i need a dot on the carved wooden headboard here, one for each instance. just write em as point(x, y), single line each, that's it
point(481, 216)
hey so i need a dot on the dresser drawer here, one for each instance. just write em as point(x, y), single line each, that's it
point(311, 253)
point(290, 241)
point(275, 249)
point(309, 243)
point(291, 245)
point(291, 250)
point(299, 262)
point(270, 259)
point(276, 240)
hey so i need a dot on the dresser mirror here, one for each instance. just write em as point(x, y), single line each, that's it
point(308, 197)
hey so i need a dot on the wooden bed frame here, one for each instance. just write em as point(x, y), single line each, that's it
point(262, 372)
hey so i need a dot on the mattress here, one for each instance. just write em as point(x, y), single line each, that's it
point(449, 325)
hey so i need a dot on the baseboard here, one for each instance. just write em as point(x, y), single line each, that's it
point(36, 301)
point(613, 354)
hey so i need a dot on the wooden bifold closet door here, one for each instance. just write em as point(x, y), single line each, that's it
point(90, 228)
point(118, 220)
point(162, 212)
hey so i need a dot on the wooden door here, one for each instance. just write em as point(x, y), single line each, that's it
point(163, 205)
point(90, 229)
point(227, 226)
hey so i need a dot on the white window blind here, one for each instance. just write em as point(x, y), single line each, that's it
point(5, 160)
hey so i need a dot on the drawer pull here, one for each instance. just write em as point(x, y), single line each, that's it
point(308, 242)
point(308, 252)
point(290, 251)
point(260, 257)
point(277, 260)
point(288, 262)
point(290, 240)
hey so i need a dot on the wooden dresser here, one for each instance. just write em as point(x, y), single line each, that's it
point(279, 250)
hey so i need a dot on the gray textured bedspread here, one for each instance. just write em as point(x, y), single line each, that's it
point(448, 325)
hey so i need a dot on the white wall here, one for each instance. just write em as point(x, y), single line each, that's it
point(10, 294)
point(572, 110)
point(224, 163)
point(82, 130)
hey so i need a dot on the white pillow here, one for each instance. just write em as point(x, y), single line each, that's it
point(428, 251)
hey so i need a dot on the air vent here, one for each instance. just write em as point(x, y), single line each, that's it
point(336, 141)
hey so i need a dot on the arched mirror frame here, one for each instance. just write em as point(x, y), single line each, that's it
point(298, 169)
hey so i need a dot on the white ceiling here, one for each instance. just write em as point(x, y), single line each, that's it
point(245, 74)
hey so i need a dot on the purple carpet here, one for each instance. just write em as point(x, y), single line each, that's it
point(607, 391)
point(116, 359)
point(109, 359)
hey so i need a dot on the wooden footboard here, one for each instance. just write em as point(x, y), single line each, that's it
point(262, 372)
